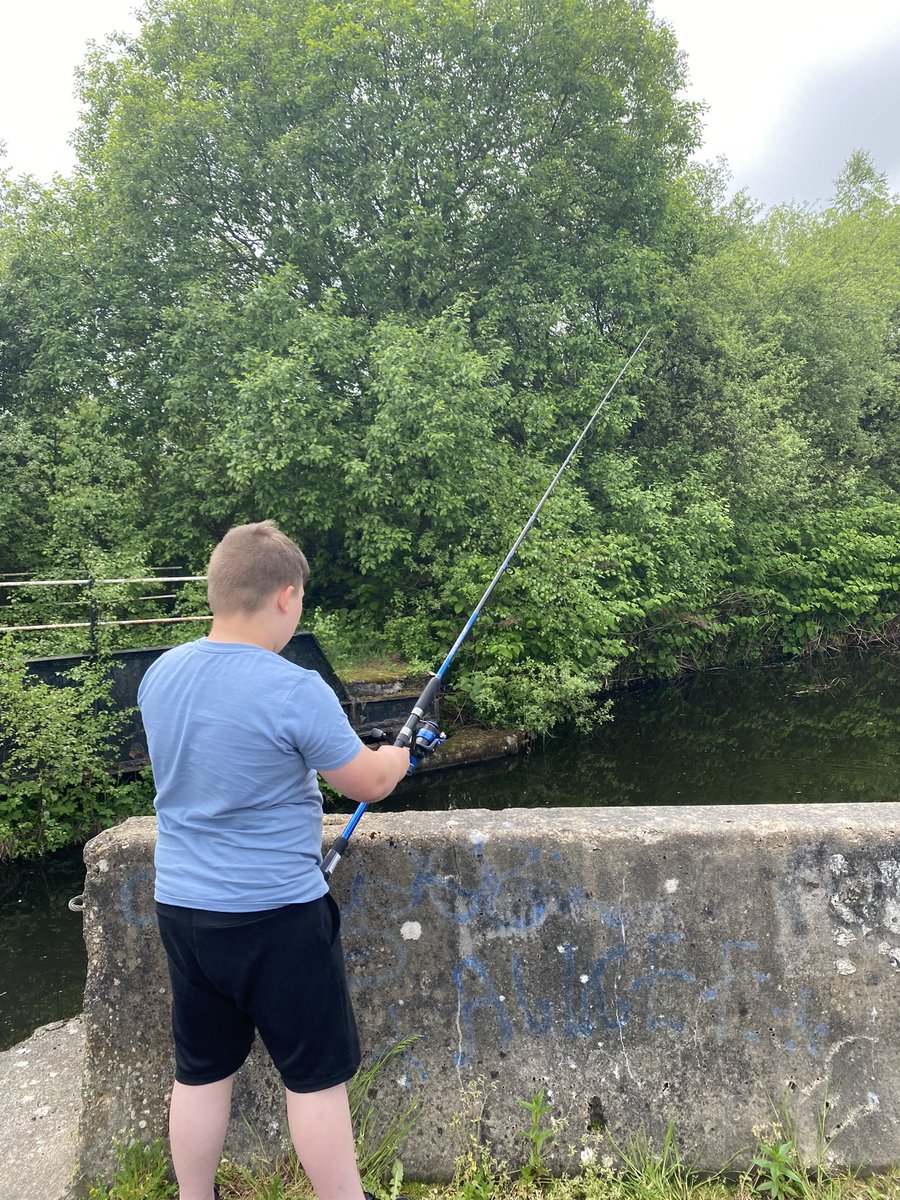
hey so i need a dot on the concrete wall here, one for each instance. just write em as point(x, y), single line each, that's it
point(639, 965)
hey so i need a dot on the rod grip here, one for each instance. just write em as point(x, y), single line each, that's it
point(426, 698)
point(334, 855)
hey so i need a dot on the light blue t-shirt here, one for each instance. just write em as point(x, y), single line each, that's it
point(236, 735)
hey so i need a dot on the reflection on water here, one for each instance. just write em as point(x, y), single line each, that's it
point(794, 734)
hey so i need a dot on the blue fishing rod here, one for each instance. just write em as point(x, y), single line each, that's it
point(423, 736)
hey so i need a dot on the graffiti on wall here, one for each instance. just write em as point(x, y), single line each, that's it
point(530, 952)
point(536, 955)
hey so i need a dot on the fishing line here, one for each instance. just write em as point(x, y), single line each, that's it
point(407, 735)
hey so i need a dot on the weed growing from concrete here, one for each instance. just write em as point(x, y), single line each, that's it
point(143, 1171)
point(634, 1169)
point(281, 1180)
point(534, 1169)
point(379, 1135)
point(649, 1172)
point(477, 1177)
point(777, 1178)
point(779, 1172)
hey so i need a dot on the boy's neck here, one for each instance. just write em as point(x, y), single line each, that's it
point(270, 626)
point(244, 630)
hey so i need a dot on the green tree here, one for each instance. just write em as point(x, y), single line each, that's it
point(368, 268)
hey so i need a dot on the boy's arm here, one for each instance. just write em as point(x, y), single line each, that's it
point(371, 775)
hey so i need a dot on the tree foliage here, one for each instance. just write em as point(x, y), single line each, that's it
point(368, 267)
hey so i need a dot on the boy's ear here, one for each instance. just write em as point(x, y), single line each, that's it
point(283, 597)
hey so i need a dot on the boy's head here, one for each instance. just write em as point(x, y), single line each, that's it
point(249, 565)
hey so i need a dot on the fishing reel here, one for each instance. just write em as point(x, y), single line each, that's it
point(428, 737)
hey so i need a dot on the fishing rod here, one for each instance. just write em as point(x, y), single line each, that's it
point(425, 736)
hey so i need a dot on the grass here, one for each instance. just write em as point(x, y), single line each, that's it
point(145, 1175)
point(632, 1170)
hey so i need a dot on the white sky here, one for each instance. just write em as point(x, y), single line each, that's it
point(792, 86)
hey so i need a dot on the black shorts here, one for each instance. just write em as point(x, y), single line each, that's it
point(280, 972)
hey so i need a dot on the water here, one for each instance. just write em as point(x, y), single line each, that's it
point(41, 948)
point(798, 734)
point(823, 733)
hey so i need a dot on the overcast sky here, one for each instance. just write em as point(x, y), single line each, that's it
point(792, 86)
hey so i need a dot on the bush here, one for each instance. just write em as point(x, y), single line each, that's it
point(57, 784)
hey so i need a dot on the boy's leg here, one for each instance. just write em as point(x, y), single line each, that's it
point(322, 1134)
point(198, 1122)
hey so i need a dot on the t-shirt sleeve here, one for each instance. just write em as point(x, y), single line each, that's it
point(314, 722)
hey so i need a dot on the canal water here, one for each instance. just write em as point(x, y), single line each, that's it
point(827, 732)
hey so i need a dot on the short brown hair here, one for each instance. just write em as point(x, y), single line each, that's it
point(249, 564)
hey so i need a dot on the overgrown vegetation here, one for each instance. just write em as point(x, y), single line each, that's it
point(634, 1170)
point(57, 782)
point(366, 269)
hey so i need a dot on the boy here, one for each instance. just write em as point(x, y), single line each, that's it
point(236, 736)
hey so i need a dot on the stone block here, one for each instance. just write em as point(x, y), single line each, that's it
point(638, 966)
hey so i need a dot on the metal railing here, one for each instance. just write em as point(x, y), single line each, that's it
point(99, 582)
point(94, 622)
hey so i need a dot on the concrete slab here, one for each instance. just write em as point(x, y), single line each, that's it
point(638, 966)
point(40, 1100)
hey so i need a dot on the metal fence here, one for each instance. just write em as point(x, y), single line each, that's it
point(95, 621)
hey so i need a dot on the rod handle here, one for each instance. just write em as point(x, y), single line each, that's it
point(334, 855)
point(426, 698)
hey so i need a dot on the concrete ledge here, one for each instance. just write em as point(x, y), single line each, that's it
point(469, 746)
point(639, 965)
point(40, 1097)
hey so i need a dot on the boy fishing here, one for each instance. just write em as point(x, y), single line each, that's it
point(237, 736)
